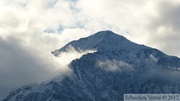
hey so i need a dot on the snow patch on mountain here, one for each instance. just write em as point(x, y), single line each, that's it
point(153, 58)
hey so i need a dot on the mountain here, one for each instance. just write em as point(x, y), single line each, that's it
point(118, 67)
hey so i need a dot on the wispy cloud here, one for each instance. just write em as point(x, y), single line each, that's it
point(65, 57)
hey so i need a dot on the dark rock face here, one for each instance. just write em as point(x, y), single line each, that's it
point(118, 67)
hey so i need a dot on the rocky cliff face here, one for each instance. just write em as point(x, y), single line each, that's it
point(118, 66)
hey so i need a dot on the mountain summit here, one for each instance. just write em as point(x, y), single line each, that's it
point(103, 41)
point(118, 67)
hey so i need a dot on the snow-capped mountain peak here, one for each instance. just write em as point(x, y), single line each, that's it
point(103, 41)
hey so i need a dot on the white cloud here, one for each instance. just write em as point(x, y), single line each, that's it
point(120, 16)
point(137, 20)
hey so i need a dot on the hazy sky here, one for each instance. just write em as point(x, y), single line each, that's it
point(31, 29)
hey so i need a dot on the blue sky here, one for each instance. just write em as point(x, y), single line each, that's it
point(37, 27)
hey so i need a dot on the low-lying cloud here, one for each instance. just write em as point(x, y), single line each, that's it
point(114, 65)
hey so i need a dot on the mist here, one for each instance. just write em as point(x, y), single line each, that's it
point(114, 66)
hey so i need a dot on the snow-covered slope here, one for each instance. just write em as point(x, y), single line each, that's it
point(118, 66)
